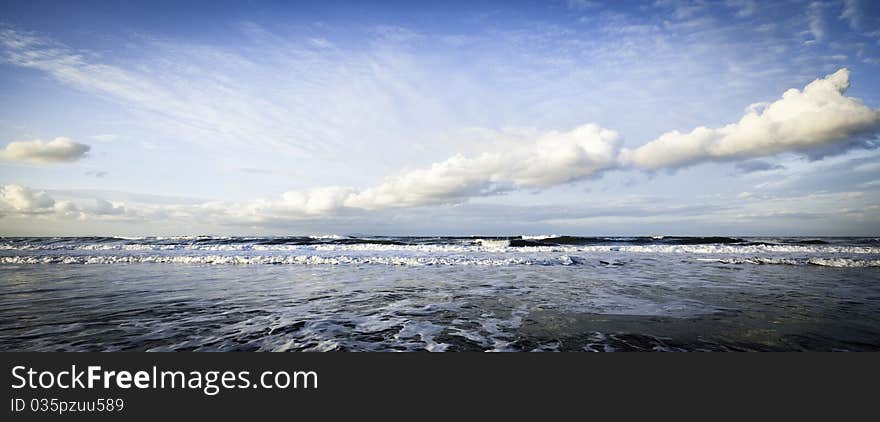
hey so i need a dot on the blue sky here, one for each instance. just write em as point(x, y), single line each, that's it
point(576, 117)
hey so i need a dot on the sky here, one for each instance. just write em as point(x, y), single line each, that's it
point(737, 117)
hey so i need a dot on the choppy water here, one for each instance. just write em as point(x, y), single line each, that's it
point(540, 293)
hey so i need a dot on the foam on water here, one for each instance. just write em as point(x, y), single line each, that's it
point(282, 259)
point(438, 294)
point(824, 262)
point(440, 251)
point(481, 245)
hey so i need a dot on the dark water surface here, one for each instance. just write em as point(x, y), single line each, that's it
point(439, 294)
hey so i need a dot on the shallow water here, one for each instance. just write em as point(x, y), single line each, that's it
point(450, 294)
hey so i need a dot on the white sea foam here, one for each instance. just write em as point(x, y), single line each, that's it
point(478, 246)
point(539, 237)
point(284, 259)
point(498, 244)
point(824, 262)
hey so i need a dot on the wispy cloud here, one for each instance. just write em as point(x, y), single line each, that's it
point(392, 101)
point(220, 97)
point(583, 4)
point(744, 8)
point(683, 9)
point(852, 13)
point(816, 121)
point(816, 20)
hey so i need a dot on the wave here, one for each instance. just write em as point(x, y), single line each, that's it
point(292, 260)
point(514, 246)
point(410, 260)
point(538, 237)
point(822, 262)
point(555, 240)
point(512, 241)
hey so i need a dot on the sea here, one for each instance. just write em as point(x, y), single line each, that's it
point(547, 293)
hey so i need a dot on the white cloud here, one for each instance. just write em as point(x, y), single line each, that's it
point(852, 13)
point(816, 20)
point(521, 160)
point(23, 200)
point(817, 121)
point(545, 160)
point(744, 8)
point(211, 95)
point(682, 9)
point(18, 200)
point(67, 209)
point(550, 159)
point(582, 4)
point(58, 150)
point(104, 207)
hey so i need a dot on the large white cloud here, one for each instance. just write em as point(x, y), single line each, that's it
point(58, 150)
point(23, 201)
point(817, 121)
point(540, 161)
point(550, 159)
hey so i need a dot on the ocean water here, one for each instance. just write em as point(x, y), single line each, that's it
point(525, 293)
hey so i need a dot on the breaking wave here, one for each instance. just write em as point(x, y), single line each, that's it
point(822, 262)
point(289, 260)
point(439, 251)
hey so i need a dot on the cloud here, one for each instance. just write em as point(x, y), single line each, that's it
point(852, 13)
point(21, 199)
point(270, 95)
point(682, 9)
point(103, 207)
point(545, 160)
point(524, 160)
point(582, 4)
point(754, 166)
point(552, 158)
point(816, 20)
point(58, 150)
point(744, 8)
point(96, 173)
point(816, 122)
